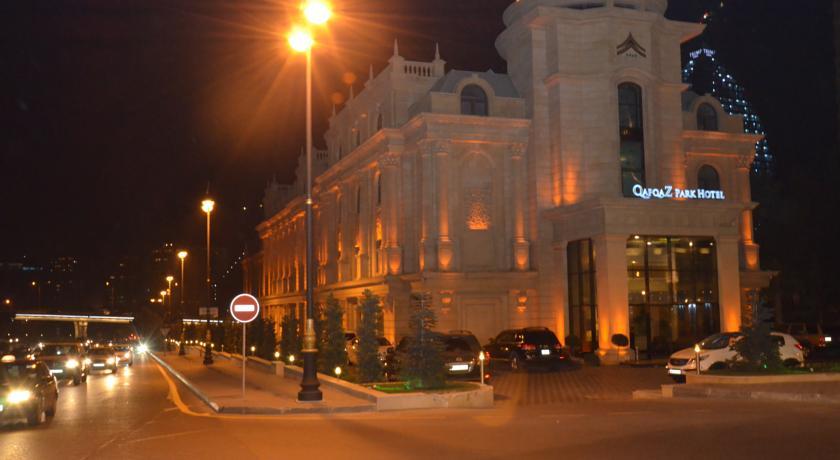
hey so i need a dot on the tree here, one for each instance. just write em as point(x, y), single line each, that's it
point(757, 349)
point(334, 345)
point(289, 338)
point(370, 367)
point(424, 367)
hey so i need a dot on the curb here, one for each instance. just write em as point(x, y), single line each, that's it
point(198, 393)
point(685, 391)
point(252, 410)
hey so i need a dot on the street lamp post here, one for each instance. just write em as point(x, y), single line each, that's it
point(37, 286)
point(207, 206)
point(181, 350)
point(316, 12)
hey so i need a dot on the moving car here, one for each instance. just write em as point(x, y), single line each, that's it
point(65, 360)
point(125, 354)
point(461, 354)
point(526, 348)
point(385, 347)
point(718, 350)
point(103, 358)
point(27, 390)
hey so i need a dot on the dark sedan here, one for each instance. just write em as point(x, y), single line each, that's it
point(27, 391)
point(65, 360)
point(103, 358)
point(460, 352)
point(526, 348)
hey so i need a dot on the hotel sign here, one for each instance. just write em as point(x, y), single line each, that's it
point(671, 192)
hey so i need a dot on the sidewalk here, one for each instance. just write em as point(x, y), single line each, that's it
point(823, 392)
point(220, 385)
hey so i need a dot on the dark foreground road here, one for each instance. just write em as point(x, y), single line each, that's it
point(130, 416)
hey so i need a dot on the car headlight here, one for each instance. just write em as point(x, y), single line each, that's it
point(110, 360)
point(71, 364)
point(19, 396)
point(142, 348)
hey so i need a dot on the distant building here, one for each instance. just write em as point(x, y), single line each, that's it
point(584, 190)
point(707, 75)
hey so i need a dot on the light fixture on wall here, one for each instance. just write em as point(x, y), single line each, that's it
point(445, 301)
point(521, 301)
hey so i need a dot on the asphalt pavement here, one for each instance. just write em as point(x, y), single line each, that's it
point(135, 415)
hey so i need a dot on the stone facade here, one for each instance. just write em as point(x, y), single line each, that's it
point(472, 186)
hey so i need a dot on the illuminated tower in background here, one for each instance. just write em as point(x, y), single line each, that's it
point(707, 75)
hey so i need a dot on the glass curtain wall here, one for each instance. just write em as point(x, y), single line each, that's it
point(583, 319)
point(672, 292)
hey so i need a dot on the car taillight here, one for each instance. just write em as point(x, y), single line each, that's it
point(800, 347)
point(527, 346)
point(558, 347)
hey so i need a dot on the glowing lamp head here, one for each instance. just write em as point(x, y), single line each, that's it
point(317, 12)
point(337, 371)
point(291, 359)
point(301, 40)
point(182, 255)
point(163, 293)
point(697, 348)
point(276, 355)
point(170, 278)
point(208, 205)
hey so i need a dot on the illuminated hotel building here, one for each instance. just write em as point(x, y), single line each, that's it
point(585, 190)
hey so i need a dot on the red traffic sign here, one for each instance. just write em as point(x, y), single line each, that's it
point(244, 308)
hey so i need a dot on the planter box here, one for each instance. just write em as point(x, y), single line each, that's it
point(480, 397)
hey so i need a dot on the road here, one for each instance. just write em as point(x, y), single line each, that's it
point(131, 416)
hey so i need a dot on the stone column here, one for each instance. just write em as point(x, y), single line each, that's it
point(613, 304)
point(749, 250)
point(729, 284)
point(446, 250)
point(365, 216)
point(330, 220)
point(428, 253)
point(389, 165)
point(521, 246)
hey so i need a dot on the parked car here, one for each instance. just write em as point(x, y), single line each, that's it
point(385, 347)
point(460, 350)
point(718, 351)
point(526, 348)
point(27, 390)
point(65, 360)
point(810, 335)
point(103, 358)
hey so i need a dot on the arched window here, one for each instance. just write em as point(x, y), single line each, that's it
point(379, 122)
point(357, 137)
point(632, 136)
point(473, 101)
point(708, 178)
point(379, 190)
point(707, 119)
point(340, 152)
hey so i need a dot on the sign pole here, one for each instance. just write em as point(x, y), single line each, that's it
point(244, 358)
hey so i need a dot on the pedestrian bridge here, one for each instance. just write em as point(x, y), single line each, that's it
point(80, 322)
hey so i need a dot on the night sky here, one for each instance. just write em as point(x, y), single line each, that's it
point(117, 114)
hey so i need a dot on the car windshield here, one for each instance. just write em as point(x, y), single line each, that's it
point(383, 342)
point(57, 350)
point(121, 348)
point(454, 344)
point(102, 351)
point(717, 341)
point(16, 371)
point(541, 338)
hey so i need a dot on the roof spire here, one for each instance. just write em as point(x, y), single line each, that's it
point(437, 51)
point(352, 92)
point(333, 113)
point(396, 47)
point(370, 76)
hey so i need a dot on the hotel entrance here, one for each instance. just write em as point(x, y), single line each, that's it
point(673, 294)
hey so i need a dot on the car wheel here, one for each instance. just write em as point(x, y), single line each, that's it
point(718, 366)
point(515, 364)
point(50, 411)
point(77, 380)
point(791, 363)
point(678, 378)
point(36, 415)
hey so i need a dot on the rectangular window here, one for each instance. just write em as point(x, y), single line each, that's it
point(583, 311)
point(672, 284)
point(632, 137)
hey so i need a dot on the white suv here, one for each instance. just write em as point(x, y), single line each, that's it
point(718, 350)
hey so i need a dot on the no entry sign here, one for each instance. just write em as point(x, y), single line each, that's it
point(245, 308)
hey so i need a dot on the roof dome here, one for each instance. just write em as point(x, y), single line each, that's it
point(519, 8)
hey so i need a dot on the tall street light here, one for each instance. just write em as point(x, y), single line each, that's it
point(316, 12)
point(181, 350)
point(207, 206)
